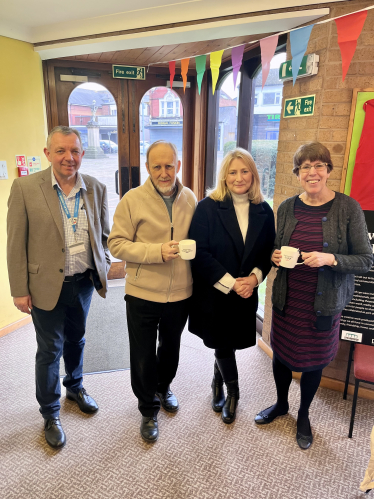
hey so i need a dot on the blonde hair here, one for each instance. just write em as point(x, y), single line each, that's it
point(221, 191)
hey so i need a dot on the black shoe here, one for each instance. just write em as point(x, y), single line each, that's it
point(218, 400)
point(168, 400)
point(304, 441)
point(304, 436)
point(85, 402)
point(229, 409)
point(54, 434)
point(264, 417)
point(149, 428)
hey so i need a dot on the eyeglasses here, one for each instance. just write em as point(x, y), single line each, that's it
point(318, 167)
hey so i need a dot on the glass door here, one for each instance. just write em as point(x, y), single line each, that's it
point(118, 120)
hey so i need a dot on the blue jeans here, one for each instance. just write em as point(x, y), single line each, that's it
point(61, 332)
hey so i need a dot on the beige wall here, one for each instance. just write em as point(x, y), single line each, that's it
point(329, 124)
point(22, 131)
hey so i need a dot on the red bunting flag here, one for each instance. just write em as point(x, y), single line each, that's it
point(349, 29)
point(184, 71)
point(172, 72)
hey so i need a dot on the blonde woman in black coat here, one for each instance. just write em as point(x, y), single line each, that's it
point(234, 232)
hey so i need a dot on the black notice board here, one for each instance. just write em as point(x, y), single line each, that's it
point(357, 321)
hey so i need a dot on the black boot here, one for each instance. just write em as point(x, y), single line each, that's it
point(229, 409)
point(229, 373)
point(218, 399)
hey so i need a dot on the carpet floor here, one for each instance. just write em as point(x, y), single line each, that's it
point(107, 337)
point(197, 455)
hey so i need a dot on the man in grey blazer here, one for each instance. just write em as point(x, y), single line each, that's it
point(58, 227)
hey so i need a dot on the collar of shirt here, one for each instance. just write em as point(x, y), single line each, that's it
point(79, 184)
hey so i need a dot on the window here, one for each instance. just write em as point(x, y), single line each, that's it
point(170, 105)
point(93, 112)
point(228, 96)
point(160, 118)
point(269, 98)
point(265, 134)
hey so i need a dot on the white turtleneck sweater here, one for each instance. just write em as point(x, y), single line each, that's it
point(241, 205)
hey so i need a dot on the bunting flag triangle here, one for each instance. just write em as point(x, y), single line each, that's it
point(215, 64)
point(268, 46)
point(237, 59)
point(349, 29)
point(172, 72)
point(200, 69)
point(184, 71)
point(299, 39)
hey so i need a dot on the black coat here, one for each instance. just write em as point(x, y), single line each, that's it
point(227, 320)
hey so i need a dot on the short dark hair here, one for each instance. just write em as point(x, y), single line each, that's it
point(313, 151)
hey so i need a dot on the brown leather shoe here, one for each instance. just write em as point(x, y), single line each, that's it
point(85, 402)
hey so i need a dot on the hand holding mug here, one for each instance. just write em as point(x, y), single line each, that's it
point(276, 257)
point(317, 259)
point(169, 251)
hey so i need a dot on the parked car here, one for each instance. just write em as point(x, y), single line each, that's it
point(143, 146)
point(108, 146)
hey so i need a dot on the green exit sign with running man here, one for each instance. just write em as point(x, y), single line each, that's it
point(299, 106)
point(129, 72)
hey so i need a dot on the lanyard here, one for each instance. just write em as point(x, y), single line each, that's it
point(73, 220)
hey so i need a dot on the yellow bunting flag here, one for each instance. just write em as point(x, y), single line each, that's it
point(184, 71)
point(215, 64)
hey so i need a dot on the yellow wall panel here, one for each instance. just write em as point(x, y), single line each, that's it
point(23, 130)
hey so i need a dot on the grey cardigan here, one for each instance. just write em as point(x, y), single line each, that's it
point(345, 235)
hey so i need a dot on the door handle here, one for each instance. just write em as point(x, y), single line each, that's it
point(116, 182)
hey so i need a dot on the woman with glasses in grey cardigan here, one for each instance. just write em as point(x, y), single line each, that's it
point(330, 231)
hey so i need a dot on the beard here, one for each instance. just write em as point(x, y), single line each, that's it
point(163, 190)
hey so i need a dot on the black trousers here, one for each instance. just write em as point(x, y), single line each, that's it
point(154, 367)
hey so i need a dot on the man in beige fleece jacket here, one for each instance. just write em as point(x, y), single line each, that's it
point(148, 224)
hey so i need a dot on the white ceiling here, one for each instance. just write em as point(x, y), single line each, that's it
point(45, 21)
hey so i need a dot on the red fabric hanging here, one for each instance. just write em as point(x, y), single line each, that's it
point(363, 174)
point(349, 29)
point(172, 72)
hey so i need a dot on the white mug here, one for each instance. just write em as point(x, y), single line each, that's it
point(290, 256)
point(187, 249)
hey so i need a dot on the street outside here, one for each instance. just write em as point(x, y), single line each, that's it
point(104, 170)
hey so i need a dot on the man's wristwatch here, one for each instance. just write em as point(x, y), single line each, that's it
point(335, 262)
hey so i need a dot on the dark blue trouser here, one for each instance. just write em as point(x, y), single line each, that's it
point(61, 332)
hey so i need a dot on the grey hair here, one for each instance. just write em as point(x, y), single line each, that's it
point(158, 142)
point(65, 130)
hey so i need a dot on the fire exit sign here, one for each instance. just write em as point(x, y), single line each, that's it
point(299, 106)
point(129, 72)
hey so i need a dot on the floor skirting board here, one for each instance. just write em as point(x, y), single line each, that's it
point(332, 384)
point(15, 325)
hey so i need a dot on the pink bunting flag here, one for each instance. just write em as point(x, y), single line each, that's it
point(268, 46)
point(184, 71)
point(349, 29)
point(172, 72)
point(236, 58)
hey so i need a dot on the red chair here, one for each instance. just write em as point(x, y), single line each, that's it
point(363, 371)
